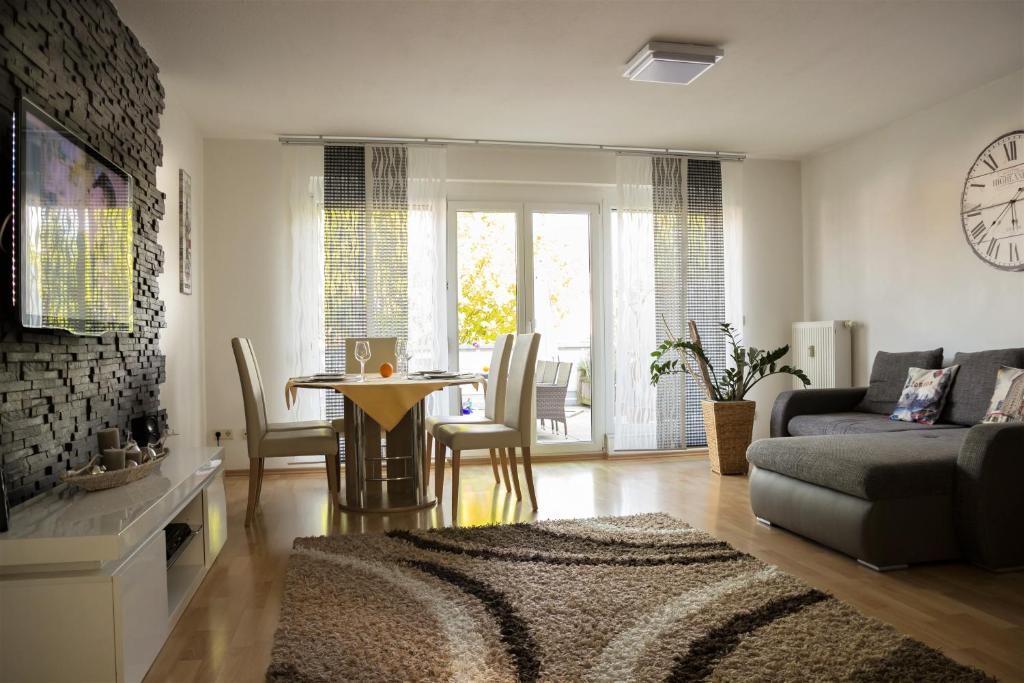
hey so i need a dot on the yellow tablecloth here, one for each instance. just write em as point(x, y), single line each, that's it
point(386, 400)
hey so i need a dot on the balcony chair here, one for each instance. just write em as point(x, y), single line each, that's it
point(551, 397)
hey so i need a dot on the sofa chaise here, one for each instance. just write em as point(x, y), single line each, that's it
point(837, 470)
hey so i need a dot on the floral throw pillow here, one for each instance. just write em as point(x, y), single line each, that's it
point(1008, 398)
point(924, 394)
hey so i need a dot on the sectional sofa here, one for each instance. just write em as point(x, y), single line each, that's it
point(837, 470)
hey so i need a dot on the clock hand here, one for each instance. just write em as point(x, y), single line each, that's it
point(1008, 205)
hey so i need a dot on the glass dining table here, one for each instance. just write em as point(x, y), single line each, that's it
point(386, 459)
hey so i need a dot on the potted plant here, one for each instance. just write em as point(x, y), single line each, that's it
point(583, 389)
point(728, 415)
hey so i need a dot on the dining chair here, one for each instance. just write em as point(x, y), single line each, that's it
point(512, 432)
point(278, 440)
point(382, 350)
point(494, 409)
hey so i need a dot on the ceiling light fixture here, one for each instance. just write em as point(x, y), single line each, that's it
point(658, 62)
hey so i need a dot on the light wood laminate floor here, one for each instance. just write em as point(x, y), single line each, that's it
point(226, 633)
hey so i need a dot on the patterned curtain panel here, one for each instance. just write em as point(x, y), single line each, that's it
point(383, 236)
point(668, 184)
point(667, 268)
point(705, 277)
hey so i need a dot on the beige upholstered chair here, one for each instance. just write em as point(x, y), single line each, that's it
point(494, 408)
point(512, 432)
point(277, 440)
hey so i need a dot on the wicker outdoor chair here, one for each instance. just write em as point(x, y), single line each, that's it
point(551, 396)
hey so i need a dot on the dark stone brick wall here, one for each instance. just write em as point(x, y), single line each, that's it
point(80, 63)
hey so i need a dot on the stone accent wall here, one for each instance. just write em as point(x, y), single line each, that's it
point(80, 63)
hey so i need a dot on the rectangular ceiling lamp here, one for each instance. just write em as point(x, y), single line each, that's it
point(671, 62)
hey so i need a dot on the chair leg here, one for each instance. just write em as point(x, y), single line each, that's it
point(528, 469)
point(515, 473)
point(504, 468)
point(455, 485)
point(438, 470)
point(254, 485)
point(426, 460)
point(259, 481)
point(494, 467)
point(333, 477)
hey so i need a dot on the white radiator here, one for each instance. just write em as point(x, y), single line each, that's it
point(824, 351)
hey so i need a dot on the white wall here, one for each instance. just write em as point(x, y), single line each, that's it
point(883, 240)
point(247, 265)
point(183, 395)
point(772, 267)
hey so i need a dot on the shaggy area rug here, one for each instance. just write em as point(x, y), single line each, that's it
point(642, 598)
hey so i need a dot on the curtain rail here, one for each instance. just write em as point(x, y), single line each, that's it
point(322, 140)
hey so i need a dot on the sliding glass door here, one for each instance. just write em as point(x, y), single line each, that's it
point(517, 268)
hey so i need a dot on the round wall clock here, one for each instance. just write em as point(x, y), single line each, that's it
point(992, 204)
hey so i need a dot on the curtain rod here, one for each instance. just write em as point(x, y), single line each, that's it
point(324, 140)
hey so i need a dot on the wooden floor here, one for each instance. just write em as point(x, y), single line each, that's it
point(226, 633)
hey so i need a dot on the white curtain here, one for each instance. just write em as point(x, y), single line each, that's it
point(306, 233)
point(428, 335)
point(732, 219)
point(634, 406)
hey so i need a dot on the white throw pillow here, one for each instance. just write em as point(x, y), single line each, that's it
point(1008, 398)
point(924, 394)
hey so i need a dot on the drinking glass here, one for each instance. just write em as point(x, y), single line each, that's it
point(403, 355)
point(362, 353)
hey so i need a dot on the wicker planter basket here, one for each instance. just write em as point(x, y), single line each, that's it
point(730, 427)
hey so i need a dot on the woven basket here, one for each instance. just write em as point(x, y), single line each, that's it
point(730, 427)
point(113, 478)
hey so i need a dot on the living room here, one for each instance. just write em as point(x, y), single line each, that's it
point(418, 340)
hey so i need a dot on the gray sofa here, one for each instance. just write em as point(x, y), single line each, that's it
point(889, 494)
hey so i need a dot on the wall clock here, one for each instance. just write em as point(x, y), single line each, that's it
point(992, 204)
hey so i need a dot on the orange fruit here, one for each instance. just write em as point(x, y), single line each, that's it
point(386, 370)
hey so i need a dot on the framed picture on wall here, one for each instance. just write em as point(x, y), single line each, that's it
point(185, 231)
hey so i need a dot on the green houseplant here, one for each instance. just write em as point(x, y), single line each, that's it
point(728, 415)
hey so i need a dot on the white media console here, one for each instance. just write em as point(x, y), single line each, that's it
point(87, 592)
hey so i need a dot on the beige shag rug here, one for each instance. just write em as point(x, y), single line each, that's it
point(642, 598)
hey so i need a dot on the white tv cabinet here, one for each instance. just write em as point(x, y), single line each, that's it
point(86, 590)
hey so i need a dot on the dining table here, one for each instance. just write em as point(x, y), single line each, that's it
point(386, 459)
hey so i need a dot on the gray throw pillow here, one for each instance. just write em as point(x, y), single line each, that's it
point(889, 374)
point(969, 398)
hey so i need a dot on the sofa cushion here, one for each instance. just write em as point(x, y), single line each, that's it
point(969, 398)
point(853, 423)
point(889, 375)
point(869, 466)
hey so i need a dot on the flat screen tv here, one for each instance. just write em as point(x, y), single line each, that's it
point(74, 231)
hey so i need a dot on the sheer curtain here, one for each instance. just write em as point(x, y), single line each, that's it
point(306, 233)
point(732, 212)
point(634, 410)
point(428, 336)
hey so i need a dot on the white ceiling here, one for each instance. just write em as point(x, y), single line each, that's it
point(796, 77)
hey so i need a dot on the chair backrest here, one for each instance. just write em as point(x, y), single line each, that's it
point(382, 350)
point(562, 376)
point(252, 393)
point(497, 378)
point(546, 370)
point(522, 370)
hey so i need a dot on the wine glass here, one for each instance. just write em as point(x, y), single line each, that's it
point(403, 354)
point(362, 353)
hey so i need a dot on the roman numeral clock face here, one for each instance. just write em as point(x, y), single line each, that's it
point(992, 207)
